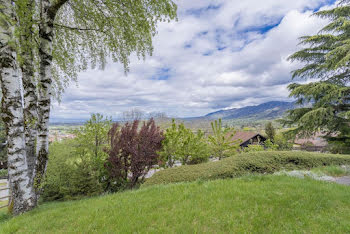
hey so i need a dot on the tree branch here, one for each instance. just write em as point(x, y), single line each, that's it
point(55, 6)
point(78, 29)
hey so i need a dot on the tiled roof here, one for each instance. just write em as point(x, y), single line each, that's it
point(244, 136)
point(316, 140)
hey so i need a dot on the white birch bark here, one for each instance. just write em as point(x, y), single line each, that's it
point(12, 112)
point(45, 91)
point(48, 11)
point(29, 91)
point(30, 113)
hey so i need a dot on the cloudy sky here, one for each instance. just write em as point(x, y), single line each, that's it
point(219, 54)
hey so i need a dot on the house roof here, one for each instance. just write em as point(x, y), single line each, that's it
point(316, 140)
point(245, 136)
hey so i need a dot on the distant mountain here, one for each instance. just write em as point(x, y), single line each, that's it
point(268, 110)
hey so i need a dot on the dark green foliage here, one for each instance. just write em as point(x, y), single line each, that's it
point(76, 167)
point(270, 131)
point(67, 176)
point(180, 143)
point(238, 165)
point(324, 105)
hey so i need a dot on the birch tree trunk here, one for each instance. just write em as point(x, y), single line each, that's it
point(30, 113)
point(44, 93)
point(29, 88)
point(48, 11)
point(12, 113)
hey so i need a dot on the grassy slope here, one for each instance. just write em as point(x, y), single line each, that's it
point(259, 204)
point(336, 171)
point(265, 162)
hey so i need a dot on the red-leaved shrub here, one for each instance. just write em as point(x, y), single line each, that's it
point(132, 153)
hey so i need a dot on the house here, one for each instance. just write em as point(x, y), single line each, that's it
point(314, 143)
point(249, 138)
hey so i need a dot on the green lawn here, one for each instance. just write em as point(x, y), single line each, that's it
point(253, 204)
point(336, 171)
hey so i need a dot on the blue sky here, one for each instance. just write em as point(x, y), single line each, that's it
point(219, 54)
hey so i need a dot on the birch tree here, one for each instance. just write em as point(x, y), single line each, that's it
point(64, 37)
point(12, 113)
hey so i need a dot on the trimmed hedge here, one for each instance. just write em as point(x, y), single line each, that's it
point(266, 162)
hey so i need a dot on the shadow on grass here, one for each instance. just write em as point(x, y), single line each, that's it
point(4, 216)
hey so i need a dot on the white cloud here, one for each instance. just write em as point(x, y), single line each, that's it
point(220, 54)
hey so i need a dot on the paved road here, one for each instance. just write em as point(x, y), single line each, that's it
point(343, 180)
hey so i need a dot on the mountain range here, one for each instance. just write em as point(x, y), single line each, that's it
point(268, 110)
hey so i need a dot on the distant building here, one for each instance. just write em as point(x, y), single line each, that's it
point(249, 138)
point(314, 143)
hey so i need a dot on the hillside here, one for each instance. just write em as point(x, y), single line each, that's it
point(269, 110)
point(254, 204)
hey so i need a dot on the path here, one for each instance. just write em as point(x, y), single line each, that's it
point(343, 180)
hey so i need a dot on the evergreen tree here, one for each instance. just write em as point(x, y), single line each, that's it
point(270, 131)
point(324, 105)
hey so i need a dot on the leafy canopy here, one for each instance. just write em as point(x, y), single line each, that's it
point(221, 143)
point(91, 33)
point(324, 105)
point(181, 144)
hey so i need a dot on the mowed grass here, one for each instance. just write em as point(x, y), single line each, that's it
point(252, 204)
point(335, 171)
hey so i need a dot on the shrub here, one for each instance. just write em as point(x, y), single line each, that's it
point(221, 143)
point(238, 165)
point(253, 148)
point(180, 143)
point(91, 142)
point(67, 176)
point(76, 167)
point(3, 173)
point(283, 142)
point(132, 153)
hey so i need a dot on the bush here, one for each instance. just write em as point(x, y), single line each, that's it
point(221, 143)
point(283, 142)
point(180, 143)
point(76, 167)
point(67, 176)
point(132, 153)
point(253, 148)
point(3, 174)
point(238, 165)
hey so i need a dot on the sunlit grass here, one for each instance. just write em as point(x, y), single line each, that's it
point(336, 171)
point(253, 204)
